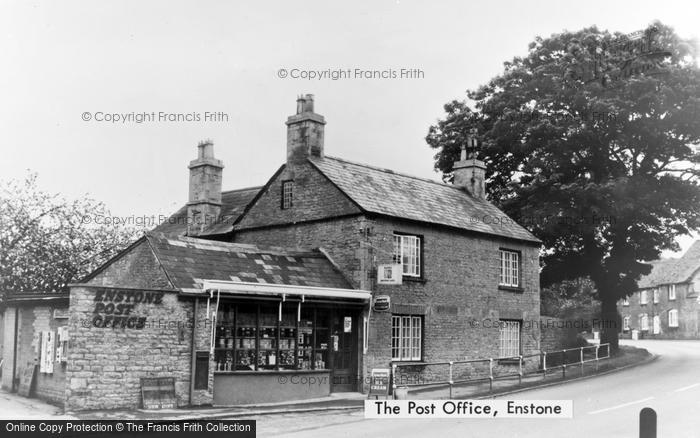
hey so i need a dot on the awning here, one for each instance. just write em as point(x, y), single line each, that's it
point(283, 290)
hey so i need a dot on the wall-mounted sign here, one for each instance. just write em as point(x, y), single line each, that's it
point(46, 357)
point(382, 303)
point(347, 324)
point(158, 392)
point(27, 380)
point(113, 309)
point(389, 274)
point(379, 382)
point(335, 342)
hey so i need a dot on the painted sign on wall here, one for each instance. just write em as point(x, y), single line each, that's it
point(113, 308)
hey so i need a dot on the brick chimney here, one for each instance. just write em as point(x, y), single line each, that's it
point(204, 203)
point(469, 172)
point(304, 131)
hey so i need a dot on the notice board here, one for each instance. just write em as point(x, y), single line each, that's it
point(379, 382)
point(26, 380)
point(158, 392)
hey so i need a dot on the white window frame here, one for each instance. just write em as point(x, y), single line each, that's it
point(287, 194)
point(626, 301)
point(509, 338)
point(644, 322)
point(671, 292)
point(673, 318)
point(626, 323)
point(407, 253)
point(656, 295)
point(656, 324)
point(406, 337)
point(643, 297)
point(509, 264)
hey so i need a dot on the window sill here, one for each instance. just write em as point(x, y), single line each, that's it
point(408, 362)
point(408, 278)
point(511, 289)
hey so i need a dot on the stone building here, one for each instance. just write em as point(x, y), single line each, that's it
point(329, 270)
point(666, 306)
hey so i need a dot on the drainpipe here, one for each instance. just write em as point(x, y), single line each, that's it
point(194, 352)
point(14, 354)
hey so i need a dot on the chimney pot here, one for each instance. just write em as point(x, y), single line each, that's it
point(470, 172)
point(204, 204)
point(305, 131)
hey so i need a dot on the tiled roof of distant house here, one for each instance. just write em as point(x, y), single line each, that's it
point(393, 194)
point(233, 202)
point(667, 271)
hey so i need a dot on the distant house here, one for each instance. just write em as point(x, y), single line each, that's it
point(666, 305)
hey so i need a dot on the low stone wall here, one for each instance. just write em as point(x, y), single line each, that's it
point(557, 333)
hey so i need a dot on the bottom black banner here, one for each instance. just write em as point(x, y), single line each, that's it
point(135, 428)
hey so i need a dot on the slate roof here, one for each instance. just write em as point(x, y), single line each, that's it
point(668, 271)
point(389, 193)
point(233, 202)
point(187, 261)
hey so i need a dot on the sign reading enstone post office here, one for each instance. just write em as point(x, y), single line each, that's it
point(113, 308)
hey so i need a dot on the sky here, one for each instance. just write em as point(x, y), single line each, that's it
point(69, 65)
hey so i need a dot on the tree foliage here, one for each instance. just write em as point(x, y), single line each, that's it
point(591, 143)
point(47, 242)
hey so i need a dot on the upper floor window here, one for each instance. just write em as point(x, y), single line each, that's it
point(672, 292)
point(509, 338)
point(406, 337)
point(625, 301)
point(643, 299)
point(673, 318)
point(656, 295)
point(510, 268)
point(287, 194)
point(407, 252)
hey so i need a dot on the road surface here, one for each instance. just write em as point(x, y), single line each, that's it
point(604, 406)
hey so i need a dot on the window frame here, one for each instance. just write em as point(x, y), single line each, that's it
point(626, 301)
point(419, 265)
point(400, 346)
point(643, 297)
point(675, 320)
point(283, 194)
point(643, 322)
point(671, 292)
point(504, 324)
point(518, 269)
point(626, 324)
point(655, 295)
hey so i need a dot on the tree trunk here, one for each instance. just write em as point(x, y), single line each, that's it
point(610, 322)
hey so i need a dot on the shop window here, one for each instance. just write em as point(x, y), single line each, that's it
point(673, 318)
point(672, 292)
point(262, 337)
point(407, 253)
point(509, 338)
point(509, 268)
point(406, 337)
point(287, 194)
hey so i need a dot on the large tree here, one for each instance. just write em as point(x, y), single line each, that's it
point(589, 142)
point(47, 242)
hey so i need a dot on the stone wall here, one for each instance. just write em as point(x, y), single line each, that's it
point(557, 333)
point(105, 364)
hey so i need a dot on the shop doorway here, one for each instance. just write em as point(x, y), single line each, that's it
point(343, 351)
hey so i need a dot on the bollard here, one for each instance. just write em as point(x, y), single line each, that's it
point(647, 423)
point(544, 364)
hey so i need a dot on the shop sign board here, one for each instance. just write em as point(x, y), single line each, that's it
point(379, 382)
point(26, 380)
point(158, 393)
point(382, 303)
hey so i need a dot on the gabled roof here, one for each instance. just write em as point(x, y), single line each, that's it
point(393, 194)
point(188, 261)
point(668, 271)
point(233, 202)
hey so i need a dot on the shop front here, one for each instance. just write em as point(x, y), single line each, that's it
point(273, 342)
